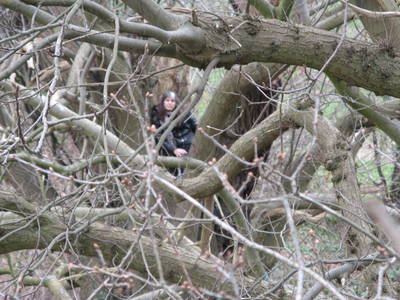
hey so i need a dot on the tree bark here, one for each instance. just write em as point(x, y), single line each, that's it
point(115, 244)
point(238, 41)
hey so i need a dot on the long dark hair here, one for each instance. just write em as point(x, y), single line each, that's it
point(160, 108)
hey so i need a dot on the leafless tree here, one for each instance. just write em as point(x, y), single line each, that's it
point(298, 138)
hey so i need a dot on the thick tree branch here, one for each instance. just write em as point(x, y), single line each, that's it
point(57, 287)
point(301, 9)
point(88, 127)
point(384, 31)
point(284, 9)
point(217, 118)
point(337, 272)
point(367, 108)
point(253, 258)
point(146, 30)
point(155, 14)
point(335, 20)
point(347, 125)
point(372, 14)
point(359, 63)
point(115, 243)
point(12, 202)
point(104, 39)
point(231, 163)
point(165, 161)
point(264, 8)
point(247, 242)
point(340, 162)
point(17, 64)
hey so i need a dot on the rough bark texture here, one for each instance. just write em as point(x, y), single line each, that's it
point(116, 244)
point(240, 41)
point(340, 162)
point(359, 63)
point(384, 31)
point(263, 135)
point(196, 38)
point(223, 108)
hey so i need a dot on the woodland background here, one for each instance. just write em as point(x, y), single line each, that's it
point(291, 189)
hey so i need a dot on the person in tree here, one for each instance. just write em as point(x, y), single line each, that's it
point(178, 142)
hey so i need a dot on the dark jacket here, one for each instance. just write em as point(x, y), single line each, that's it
point(181, 135)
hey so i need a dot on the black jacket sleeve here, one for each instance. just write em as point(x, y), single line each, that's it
point(169, 143)
point(192, 122)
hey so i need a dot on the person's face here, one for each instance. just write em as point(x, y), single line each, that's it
point(169, 104)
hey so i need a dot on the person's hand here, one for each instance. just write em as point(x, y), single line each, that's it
point(180, 152)
point(152, 128)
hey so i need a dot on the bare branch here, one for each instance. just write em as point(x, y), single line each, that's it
point(155, 14)
point(246, 241)
point(57, 287)
point(202, 270)
point(337, 272)
point(366, 107)
point(314, 45)
point(147, 30)
point(370, 13)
